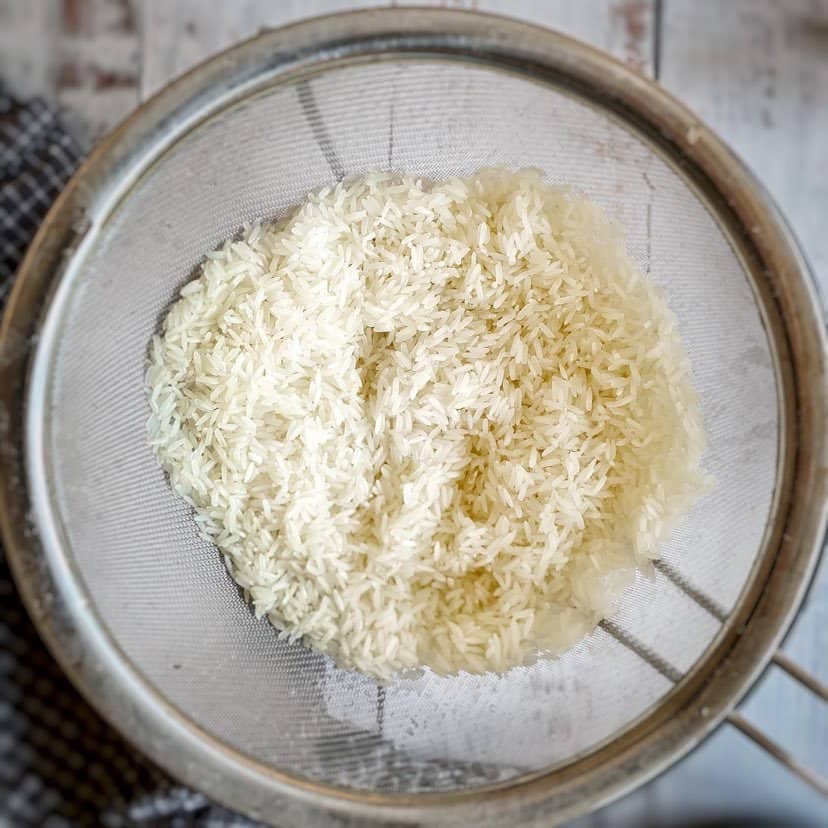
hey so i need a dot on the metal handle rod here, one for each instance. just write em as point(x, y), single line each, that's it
point(807, 680)
point(812, 683)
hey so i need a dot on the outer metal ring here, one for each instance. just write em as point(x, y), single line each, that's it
point(55, 594)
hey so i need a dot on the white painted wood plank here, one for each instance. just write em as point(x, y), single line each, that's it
point(757, 72)
point(98, 62)
point(86, 54)
point(81, 54)
point(25, 53)
point(621, 27)
point(179, 35)
point(624, 28)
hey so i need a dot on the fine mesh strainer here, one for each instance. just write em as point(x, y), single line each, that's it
point(141, 611)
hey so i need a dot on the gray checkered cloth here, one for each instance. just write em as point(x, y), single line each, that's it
point(60, 763)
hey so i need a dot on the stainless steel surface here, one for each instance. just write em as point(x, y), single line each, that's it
point(140, 611)
point(810, 682)
point(784, 757)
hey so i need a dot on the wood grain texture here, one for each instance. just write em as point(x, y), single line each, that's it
point(98, 61)
point(179, 35)
point(84, 55)
point(624, 28)
point(98, 57)
point(25, 46)
point(757, 72)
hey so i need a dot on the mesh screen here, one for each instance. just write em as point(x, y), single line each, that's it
point(165, 594)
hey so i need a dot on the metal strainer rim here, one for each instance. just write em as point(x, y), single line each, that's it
point(53, 590)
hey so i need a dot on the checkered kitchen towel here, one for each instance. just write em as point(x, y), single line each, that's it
point(61, 765)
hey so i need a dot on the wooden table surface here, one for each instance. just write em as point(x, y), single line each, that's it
point(757, 72)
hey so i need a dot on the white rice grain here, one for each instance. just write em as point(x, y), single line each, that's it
point(429, 424)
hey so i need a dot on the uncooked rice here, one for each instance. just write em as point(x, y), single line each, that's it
point(429, 424)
